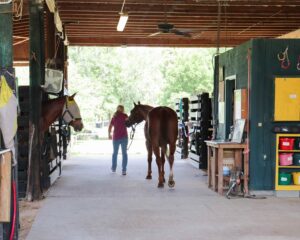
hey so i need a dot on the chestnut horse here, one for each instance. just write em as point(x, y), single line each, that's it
point(161, 130)
point(63, 106)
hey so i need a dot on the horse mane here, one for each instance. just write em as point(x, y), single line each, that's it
point(145, 109)
point(51, 110)
point(147, 105)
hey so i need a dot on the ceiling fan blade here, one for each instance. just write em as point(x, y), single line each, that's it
point(181, 33)
point(154, 34)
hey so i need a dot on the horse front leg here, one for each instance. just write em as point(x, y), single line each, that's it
point(159, 166)
point(171, 182)
point(149, 149)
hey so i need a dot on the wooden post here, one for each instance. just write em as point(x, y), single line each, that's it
point(50, 47)
point(37, 75)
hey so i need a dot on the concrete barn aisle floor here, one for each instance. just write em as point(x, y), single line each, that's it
point(89, 202)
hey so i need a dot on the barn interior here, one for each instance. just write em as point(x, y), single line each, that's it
point(263, 35)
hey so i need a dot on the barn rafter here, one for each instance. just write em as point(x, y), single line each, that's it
point(93, 22)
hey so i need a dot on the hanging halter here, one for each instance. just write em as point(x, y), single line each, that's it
point(298, 63)
point(283, 57)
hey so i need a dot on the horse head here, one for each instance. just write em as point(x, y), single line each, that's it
point(137, 115)
point(71, 113)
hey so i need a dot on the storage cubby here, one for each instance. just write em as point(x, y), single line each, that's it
point(287, 175)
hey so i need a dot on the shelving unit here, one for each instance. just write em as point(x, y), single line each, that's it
point(23, 140)
point(182, 111)
point(288, 169)
point(200, 114)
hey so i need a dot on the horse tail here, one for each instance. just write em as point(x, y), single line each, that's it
point(168, 152)
point(165, 151)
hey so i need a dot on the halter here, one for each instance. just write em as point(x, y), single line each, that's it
point(67, 111)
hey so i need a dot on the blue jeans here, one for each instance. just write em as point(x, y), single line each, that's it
point(116, 143)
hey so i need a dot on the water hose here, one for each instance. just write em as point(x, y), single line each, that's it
point(14, 191)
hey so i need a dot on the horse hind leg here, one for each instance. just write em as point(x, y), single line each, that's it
point(149, 149)
point(171, 182)
point(159, 166)
point(163, 160)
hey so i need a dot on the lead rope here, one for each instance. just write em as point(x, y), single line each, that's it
point(131, 135)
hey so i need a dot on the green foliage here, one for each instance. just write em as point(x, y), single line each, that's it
point(186, 72)
point(106, 77)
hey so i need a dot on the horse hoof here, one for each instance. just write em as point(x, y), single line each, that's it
point(149, 177)
point(160, 185)
point(171, 184)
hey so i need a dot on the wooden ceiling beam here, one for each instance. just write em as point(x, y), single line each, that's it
point(93, 41)
point(178, 3)
point(148, 32)
point(146, 9)
point(198, 25)
point(200, 15)
point(85, 18)
point(236, 33)
point(240, 21)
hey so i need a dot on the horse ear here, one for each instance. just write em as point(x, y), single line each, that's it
point(134, 104)
point(72, 97)
point(139, 103)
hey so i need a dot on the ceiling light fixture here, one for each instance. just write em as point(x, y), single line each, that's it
point(123, 19)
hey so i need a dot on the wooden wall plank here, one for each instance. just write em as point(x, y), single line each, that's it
point(5, 186)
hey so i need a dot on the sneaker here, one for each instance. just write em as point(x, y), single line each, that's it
point(124, 173)
point(113, 170)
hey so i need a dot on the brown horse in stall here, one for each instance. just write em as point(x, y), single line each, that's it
point(63, 106)
point(161, 130)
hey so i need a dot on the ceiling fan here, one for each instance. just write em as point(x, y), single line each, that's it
point(170, 28)
point(166, 27)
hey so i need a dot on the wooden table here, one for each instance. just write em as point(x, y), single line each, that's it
point(215, 152)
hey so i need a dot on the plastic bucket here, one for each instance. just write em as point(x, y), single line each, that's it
point(226, 171)
point(296, 159)
point(285, 159)
point(296, 178)
point(286, 143)
point(297, 144)
point(284, 178)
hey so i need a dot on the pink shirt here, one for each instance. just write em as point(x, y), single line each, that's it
point(118, 122)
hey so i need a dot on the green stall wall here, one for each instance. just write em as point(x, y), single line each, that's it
point(264, 67)
point(234, 62)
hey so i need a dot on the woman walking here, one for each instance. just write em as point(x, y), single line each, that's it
point(119, 137)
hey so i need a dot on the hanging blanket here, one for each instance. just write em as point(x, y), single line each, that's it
point(8, 114)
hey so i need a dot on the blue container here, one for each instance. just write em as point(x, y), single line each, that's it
point(226, 171)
